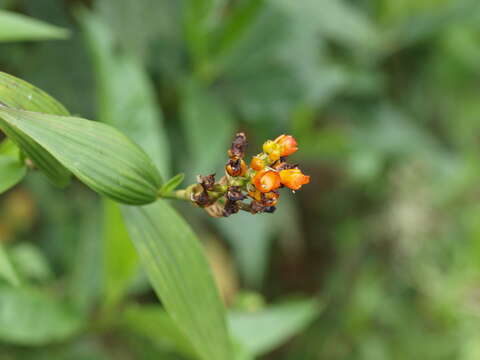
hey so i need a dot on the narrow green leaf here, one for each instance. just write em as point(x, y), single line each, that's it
point(7, 271)
point(126, 96)
point(31, 317)
point(17, 27)
point(12, 168)
point(262, 331)
point(120, 258)
point(178, 270)
point(18, 94)
point(171, 184)
point(99, 155)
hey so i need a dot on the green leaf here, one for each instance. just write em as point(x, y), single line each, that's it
point(30, 262)
point(16, 27)
point(171, 184)
point(86, 266)
point(7, 270)
point(264, 330)
point(19, 94)
point(120, 258)
point(99, 155)
point(31, 317)
point(12, 168)
point(126, 96)
point(153, 323)
point(178, 270)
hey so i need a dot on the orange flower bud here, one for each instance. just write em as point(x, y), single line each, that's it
point(257, 163)
point(293, 178)
point(287, 143)
point(266, 180)
point(236, 168)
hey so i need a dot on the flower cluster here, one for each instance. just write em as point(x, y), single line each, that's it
point(251, 188)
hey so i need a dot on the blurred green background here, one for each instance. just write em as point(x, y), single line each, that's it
point(383, 98)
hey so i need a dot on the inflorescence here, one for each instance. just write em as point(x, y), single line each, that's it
point(251, 188)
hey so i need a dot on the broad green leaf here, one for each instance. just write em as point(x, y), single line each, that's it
point(99, 155)
point(31, 317)
point(126, 97)
point(17, 27)
point(12, 168)
point(178, 270)
point(19, 94)
point(120, 258)
point(153, 323)
point(171, 184)
point(264, 330)
point(7, 270)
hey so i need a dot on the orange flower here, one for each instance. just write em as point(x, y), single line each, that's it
point(257, 163)
point(266, 180)
point(288, 144)
point(293, 178)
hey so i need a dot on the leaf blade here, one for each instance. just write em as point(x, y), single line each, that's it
point(17, 27)
point(99, 155)
point(171, 184)
point(120, 259)
point(180, 275)
point(22, 323)
point(12, 169)
point(125, 93)
point(7, 270)
point(19, 94)
point(262, 331)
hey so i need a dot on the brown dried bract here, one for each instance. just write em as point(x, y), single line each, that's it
point(234, 193)
point(231, 207)
point(239, 145)
point(207, 181)
point(200, 196)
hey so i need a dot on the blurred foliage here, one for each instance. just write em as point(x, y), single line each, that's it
point(382, 97)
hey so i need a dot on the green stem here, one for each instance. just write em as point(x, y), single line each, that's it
point(183, 194)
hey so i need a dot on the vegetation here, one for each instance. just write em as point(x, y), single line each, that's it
point(376, 258)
